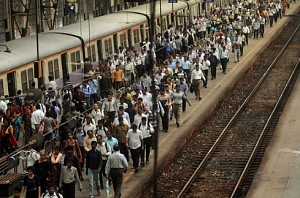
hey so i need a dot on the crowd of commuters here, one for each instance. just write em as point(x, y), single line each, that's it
point(116, 101)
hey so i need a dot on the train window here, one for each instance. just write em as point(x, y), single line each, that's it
point(50, 68)
point(78, 60)
point(91, 50)
point(1, 88)
point(30, 75)
point(56, 69)
point(164, 25)
point(142, 32)
point(108, 46)
point(24, 80)
point(123, 40)
point(73, 61)
point(136, 36)
point(94, 57)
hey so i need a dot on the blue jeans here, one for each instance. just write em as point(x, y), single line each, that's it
point(93, 177)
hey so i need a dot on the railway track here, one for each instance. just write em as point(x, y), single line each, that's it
point(227, 166)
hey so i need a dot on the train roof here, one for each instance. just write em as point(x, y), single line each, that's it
point(23, 50)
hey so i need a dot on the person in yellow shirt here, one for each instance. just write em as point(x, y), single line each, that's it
point(118, 77)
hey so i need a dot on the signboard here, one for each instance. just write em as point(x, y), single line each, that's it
point(208, 1)
point(172, 1)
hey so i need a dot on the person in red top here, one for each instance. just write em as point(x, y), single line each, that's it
point(8, 141)
point(27, 110)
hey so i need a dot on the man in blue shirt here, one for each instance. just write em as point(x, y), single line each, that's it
point(87, 93)
point(110, 140)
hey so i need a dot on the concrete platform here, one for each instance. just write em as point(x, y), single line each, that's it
point(170, 143)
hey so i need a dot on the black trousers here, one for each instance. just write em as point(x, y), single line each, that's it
point(262, 30)
point(246, 36)
point(205, 72)
point(255, 33)
point(116, 175)
point(224, 62)
point(124, 150)
point(271, 18)
point(183, 104)
point(213, 70)
point(165, 119)
point(102, 172)
point(69, 190)
point(135, 155)
point(147, 143)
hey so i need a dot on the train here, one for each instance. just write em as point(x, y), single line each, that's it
point(61, 52)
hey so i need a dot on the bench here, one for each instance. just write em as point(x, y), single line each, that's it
point(3, 166)
point(8, 182)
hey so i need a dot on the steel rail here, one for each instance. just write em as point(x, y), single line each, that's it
point(231, 121)
point(260, 139)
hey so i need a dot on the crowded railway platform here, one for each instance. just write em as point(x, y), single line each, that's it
point(172, 135)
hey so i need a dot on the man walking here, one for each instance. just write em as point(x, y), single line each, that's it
point(68, 178)
point(93, 166)
point(196, 77)
point(135, 143)
point(115, 167)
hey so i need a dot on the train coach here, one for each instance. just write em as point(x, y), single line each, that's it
point(62, 51)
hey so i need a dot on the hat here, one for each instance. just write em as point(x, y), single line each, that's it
point(157, 87)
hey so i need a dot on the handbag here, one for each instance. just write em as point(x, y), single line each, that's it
point(41, 128)
point(192, 88)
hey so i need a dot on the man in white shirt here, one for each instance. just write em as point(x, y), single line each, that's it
point(196, 78)
point(36, 118)
point(3, 105)
point(51, 192)
point(134, 141)
point(88, 125)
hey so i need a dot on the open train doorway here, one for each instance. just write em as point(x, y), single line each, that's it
point(11, 82)
point(64, 65)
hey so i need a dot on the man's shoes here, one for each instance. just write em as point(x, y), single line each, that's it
point(142, 164)
point(147, 161)
point(178, 125)
point(200, 98)
point(166, 130)
point(136, 170)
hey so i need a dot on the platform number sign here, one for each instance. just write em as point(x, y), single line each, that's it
point(172, 1)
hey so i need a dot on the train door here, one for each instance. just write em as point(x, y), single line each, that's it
point(11, 81)
point(64, 65)
point(99, 51)
point(116, 43)
point(129, 38)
